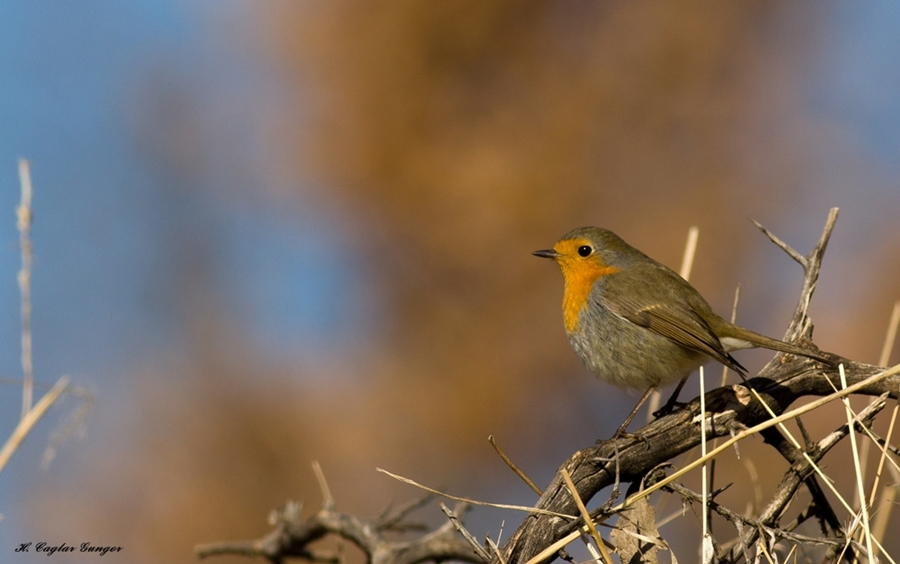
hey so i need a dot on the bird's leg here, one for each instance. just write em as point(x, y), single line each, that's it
point(672, 403)
point(621, 432)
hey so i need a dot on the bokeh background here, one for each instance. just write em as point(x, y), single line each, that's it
point(268, 233)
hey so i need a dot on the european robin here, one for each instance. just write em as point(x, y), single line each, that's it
point(635, 323)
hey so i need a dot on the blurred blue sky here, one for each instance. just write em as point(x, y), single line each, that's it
point(69, 102)
point(66, 68)
point(71, 75)
point(858, 77)
point(71, 80)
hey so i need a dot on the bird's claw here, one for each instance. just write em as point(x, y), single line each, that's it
point(669, 408)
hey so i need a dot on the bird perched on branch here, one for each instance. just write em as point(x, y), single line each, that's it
point(635, 323)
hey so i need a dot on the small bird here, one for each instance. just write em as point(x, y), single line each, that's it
point(635, 323)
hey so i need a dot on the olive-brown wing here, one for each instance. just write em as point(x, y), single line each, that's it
point(653, 296)
point(685, 328)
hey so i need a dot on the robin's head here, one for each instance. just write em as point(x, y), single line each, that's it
point(589, 249)
point(585, 255)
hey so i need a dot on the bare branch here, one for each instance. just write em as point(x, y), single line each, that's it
point(782, 245)
point(457, 524)
point(292, 537)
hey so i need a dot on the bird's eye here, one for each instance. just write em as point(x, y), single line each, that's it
point(585, 250)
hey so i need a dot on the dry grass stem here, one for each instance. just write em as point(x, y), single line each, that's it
point(690, 249)
point(474, 501)
point(31, 418)
point(704, 488)
point(23, 223)
point(512, 466)
point(496, 550)
point(860, 487)
point(327, 498)
point(891, 336)
point(883, 514)
point(734, 309)
point(588, 521)
point(883, 359)
point(889, 494)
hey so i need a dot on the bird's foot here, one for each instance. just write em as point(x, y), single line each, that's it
point(669, 408)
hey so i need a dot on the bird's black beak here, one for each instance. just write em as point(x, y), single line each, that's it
point(547, 253)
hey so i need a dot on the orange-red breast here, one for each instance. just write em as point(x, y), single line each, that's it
point(635, 323)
